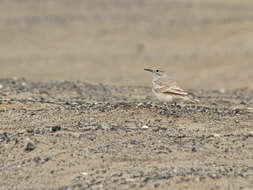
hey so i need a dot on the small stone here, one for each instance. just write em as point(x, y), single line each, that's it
point(250, 109)
point(56, 128)
point(194, 149)
point(37, 159)
point(163, 128)
point(214, 176)
point(243, 102)
point(47, 159)
point(3, 136)
point(84, 149)
point(250, 134)
point(29, 147)
point(84, 173)
point(144, 127)
point(29, 130)
point(155, 129)
point(139, 105)
point(216, 135)
point(133, 142)
point(23, 83)
point(222, 91)
point(16, 140)
point(156, 185)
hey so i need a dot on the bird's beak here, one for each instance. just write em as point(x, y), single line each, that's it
point(150, 70)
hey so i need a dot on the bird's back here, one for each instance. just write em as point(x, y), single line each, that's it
point(167, 86)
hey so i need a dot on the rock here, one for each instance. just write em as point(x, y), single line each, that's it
point(84, 173)
point(16, 140)
point(139, 105)
point(37, 159)
point(214, 176)
point(84, 149)
point(250, 134)
point(144, 127)
point(30, 147)
point(29, 130)
point(3, 136)
point(216, 135)
point(194, 149)
point(156, 185)
point(56, 128)
point(47, 159)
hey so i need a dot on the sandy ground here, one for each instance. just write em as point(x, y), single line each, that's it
point(105, 129)
point(202, 44)
point(75, 135)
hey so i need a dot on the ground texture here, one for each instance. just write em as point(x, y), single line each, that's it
point(109, 132)
point(201, 44)
point(75, 135)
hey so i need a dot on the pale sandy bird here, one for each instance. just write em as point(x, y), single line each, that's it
point(166, 90)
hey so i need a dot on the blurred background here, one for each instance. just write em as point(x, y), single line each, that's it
point(201, 44)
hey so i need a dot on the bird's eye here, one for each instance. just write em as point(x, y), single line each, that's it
point(157, 71)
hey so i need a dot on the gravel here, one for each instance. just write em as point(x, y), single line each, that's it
point(122, 138)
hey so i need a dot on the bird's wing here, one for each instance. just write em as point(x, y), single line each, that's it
point(172, 90)
point(168, 87)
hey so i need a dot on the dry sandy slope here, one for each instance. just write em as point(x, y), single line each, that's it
point(202, 44)
point(75, 135)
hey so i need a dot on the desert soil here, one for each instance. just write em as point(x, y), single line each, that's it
point(75, 135)
point(84, 117)
point(201, 44)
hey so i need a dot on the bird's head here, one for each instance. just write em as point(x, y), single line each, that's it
point(156, 73)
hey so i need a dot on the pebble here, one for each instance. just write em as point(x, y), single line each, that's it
point(84, 173)
point(84, 149)
point(139, 105)
point(172, 137)
point(30, 130)
point(144, 127)
point(250, 134)
point(194, 149)
point(222, 91)
point(30, 147)
point(214, 176)
point(216, 135)
point(47, 159)
point(156, 185)
point(37, 159)
point(3, 136)
point(56, 128)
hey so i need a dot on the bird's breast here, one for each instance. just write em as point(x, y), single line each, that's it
point(163, 97)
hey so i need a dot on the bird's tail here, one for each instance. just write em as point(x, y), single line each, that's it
point(191, 99)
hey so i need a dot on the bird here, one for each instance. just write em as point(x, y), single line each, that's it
point(167, 90)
